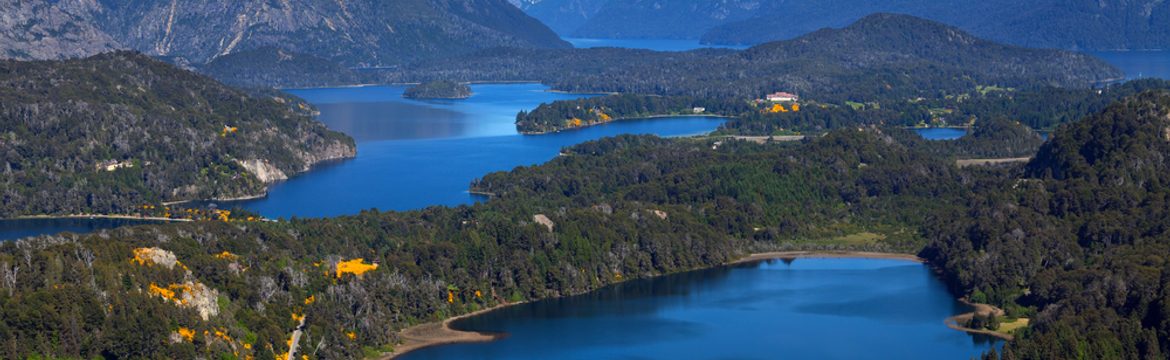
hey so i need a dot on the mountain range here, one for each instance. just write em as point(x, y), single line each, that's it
point(1076, 24)
point(353, 33)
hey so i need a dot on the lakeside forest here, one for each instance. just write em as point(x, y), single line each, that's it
point(1074, 240)
point(115, 132)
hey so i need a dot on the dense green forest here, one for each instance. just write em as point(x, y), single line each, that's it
point(438, 90)
point(110, 133)
point(568, 114)
point(1075, 241)
point(1079, 235)
point(663, 206)
point(1041, 109)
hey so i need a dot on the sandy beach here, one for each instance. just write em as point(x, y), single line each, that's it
point(440, 333)
point(956, 322)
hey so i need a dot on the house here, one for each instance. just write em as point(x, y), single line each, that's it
point(698, 110)
point(782, 97)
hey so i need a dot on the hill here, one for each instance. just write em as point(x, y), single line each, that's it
point(881, 55)
point(1079, 236)
point(109, 133)
point(352, 33)
point(1082, 25)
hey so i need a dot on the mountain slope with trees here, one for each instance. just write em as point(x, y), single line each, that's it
point(109, 133)
point(1077, 240)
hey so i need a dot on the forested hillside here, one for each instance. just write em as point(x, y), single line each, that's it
point(880, 55)
point(110, 133)
point(1074, 241)
point(563, 228)
point(1079, 24)
point(1080, 236)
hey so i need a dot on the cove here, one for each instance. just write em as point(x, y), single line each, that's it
point(816, 308)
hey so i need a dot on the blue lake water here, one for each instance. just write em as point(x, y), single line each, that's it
point(414, 154)
point(941, 133)
point(20, 228)
point(1139, 64)
point(803, 309)
point(650, 44)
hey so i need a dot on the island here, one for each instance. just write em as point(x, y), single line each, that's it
point(441, 89)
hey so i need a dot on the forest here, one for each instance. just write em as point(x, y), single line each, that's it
point(1074, 240)
point(438, 90)
point(879, 56)
point(113, 132)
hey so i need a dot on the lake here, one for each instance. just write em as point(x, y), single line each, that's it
point(802, 309)
point(1139, 64)
point(941, 133)
point(19, 228)
point(414, 154)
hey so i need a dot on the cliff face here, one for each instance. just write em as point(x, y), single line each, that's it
point(354, 33)
point(50, 30)
point(115, 131)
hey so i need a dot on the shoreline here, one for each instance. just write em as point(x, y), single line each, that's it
point(437, 333)
point(238, 198)
point(827, 255)
point(527, 133)
point(955, 322)
point(96, 216)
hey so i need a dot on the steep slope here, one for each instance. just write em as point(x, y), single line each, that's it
point(353, 33)
point(50, 30)
point(115, 131)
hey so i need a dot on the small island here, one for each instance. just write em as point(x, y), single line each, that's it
point(438, 90)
